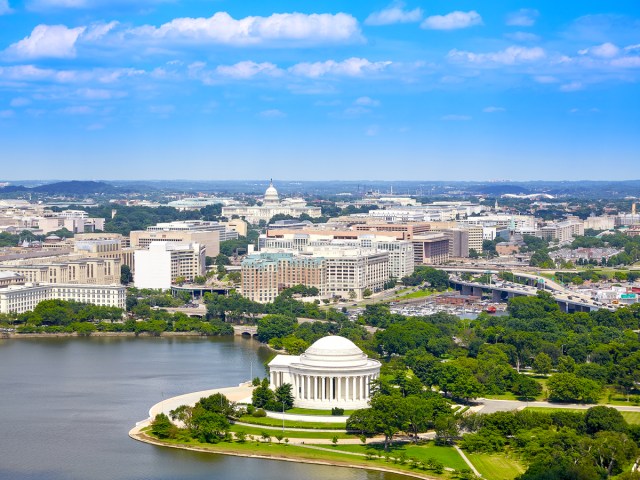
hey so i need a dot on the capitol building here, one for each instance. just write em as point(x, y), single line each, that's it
point(333, 372)
point(271, 206)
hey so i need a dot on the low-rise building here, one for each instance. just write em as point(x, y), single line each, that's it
point(24, 298)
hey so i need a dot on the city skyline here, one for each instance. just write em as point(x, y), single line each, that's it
point(91, 89)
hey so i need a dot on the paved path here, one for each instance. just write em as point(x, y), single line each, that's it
point(467, 461)
point(491, 405)
point(308, 418)
point(275, 427)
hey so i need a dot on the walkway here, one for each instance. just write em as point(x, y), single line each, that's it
point(490, 406)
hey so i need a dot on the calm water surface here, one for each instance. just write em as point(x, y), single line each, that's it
point(66, 406)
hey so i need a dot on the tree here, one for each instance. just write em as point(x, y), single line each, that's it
point(162, 427)
point(367, 293)
point(272, 326)
point(284, 396)
point(603, 418)
point(526, 387)
point(352, 294)
point(567, 387)
point(126, 276)
point(542, 363)
point(262, 395)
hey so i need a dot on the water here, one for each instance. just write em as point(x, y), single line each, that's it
point(67, 404)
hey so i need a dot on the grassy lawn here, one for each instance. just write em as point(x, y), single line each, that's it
point(418, 294)
point(447, 455)
point(632, 418)
point(551, 410)
point(276, 450)
point(257, 431)
point(275, 422)
point(495, 467)
point(309, 411)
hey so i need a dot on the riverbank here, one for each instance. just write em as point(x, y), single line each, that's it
point(106, 334)
point(276, 451)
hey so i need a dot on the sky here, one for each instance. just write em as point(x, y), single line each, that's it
point(322, 90)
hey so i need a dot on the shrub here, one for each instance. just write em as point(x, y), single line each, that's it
point(259, 413)
point(336, 411)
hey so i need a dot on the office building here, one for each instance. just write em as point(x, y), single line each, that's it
point(163, 262)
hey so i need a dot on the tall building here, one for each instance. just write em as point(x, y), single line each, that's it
point(432, 249)
point(458, 242)
point(271, 206)
point(345, 272)
point(163, 262)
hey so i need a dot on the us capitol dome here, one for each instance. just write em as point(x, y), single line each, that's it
point(333, 372)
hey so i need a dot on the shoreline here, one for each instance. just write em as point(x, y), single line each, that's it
point(137, 434)
point(11, 336)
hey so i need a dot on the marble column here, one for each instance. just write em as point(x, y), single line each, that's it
point(339, 395)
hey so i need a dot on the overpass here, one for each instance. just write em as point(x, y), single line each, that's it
point(502, 290)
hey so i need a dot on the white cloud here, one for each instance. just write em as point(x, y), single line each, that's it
point(510, 56)
point(367, 102)
point(394, 13)
point(98, 30)
point(493, 110)
point(525, 17)
point(248, 69)
point(77, 110)
point(286, 28)
point(99, 94)
point(545, 79)
point(606, 50)
point(452, 21)
point(20, 102)
point(523, 37)
point(631, 48)
point(6, 113)
point(372, 130)
point(46, 41)
point(273, 113)
point(162, 110)
point(571, 87)
point(626, 62)
point(4, 7)
point(351, 67)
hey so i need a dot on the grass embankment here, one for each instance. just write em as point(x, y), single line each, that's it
point(448, 456)
point(329, 456)
point(275, 422)
point(418, 294)
point(309, 411)
point(496, 467)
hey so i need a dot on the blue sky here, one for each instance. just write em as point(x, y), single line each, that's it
point(430, 90)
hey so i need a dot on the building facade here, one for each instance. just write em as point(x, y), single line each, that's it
point(163, 262)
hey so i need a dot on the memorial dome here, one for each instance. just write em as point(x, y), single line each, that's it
point(333, 351)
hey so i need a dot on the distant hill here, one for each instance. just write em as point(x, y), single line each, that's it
point(74, 187)
point(502, 189)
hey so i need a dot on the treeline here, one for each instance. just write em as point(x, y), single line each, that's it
point(558, 445)
point(630, 247)
point(583, 352)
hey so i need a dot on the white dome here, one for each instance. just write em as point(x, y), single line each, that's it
point(271, 194)
point(333, 351)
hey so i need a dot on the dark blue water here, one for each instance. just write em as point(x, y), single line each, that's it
point(66, 406)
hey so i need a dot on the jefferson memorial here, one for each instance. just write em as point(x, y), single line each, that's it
point(333, 372)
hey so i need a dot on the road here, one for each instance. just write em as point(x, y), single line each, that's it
point(491, 406)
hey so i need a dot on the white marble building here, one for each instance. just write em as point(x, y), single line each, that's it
point(333, 372)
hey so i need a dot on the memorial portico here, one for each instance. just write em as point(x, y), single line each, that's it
point(333, 372)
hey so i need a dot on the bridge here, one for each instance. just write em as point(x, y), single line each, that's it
point(245, 330)
point(568, 301)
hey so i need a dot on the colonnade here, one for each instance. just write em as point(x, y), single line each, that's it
point(327, 388)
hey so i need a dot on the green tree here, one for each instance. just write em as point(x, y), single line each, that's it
point(542, 363)
point(275, 326)
point(284, 396)
point(601, 418)
point(567, 387)
point(162, 427)
point(126, 277)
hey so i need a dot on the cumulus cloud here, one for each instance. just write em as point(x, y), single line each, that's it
point(545, 79)
point(525, 17)
point(46, 41)
point(272, 113)
point(452, 21)
point(394, 13)
point(77, 110)
point(20, 102)
point(6, 113)
point(4, 7)
point(606, 50)
point(510, 56)
point(221, 28)
point(626, 62)
point(367, 102)
point(523, 37)
point(493, 110)
point(351, 67)
point(571, 87)
point(248, 69)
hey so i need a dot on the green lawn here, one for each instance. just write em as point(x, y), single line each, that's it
point(275, 422)
point(495, 467)
point(632, 418)
point(257, 431)
point(418, 294)
point(447, 455)
point(309, 411)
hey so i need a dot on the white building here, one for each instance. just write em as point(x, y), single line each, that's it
point(270, 207)
point(333, 372)
point(163, 262)
point(24, 298)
